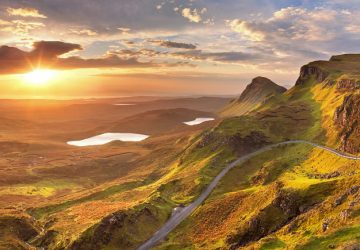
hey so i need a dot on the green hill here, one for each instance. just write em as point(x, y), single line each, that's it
point(290, 197)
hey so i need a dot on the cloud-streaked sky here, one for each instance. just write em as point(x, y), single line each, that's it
point(168, 47)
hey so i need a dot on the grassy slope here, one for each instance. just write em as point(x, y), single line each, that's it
point(65, 216)
point(69, 190)
point(258, 185)
point(295, 115)
point(251, 192)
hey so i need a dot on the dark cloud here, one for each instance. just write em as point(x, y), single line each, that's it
point(110, 61)
point(12, 60)
point(136, 53)
point(52, 49)
point(229, 57)
point(46, 54)
point(193, 55)
point(171, 44)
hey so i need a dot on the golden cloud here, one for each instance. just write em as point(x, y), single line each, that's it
point(25, 12)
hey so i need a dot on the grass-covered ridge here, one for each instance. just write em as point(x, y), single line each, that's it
point(290, 197)
point(255, 190)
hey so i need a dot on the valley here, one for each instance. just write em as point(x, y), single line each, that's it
point(272, 169)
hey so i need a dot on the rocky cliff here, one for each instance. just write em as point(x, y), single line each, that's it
point(347, 119)
point(340, 80)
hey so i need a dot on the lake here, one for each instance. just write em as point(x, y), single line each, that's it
point(108, 137)
point(198, 121)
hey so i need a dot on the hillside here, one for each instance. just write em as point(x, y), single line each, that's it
point(289, 197)
point(292, 197)
point(258, 91)
point(158, 121)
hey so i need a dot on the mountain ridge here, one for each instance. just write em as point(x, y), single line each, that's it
point(255, 93)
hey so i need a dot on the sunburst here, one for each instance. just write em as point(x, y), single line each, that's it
point(39, 77)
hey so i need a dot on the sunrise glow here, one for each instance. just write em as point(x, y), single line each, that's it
point(180, 124)
point(39, 77)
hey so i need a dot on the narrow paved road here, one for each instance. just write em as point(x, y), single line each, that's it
point(177, 218)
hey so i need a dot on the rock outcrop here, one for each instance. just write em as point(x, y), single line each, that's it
point(18, 229)
point(240, 144)
point(348, 84)
point(347, 119)
point(309, 71)
point(283, 208)
point(118, 229)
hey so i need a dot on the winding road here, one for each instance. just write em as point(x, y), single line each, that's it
point(181, 215)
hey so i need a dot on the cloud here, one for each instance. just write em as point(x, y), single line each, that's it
point(108, 61)
point(124, 30)
point(192, 15)
point(85, 32)
point(52, 49)
point(171, 44)
point(14, 60)
point(136, 53)
point(20, 27)
point(191, 55)
point(246, 29)
point(25, 12)
point(260, 33)
point(4, 22)
point(223, 57)
point(291, 23)
point(295, 35)
point(47, 54)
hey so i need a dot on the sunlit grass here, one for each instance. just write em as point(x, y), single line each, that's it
point(43, 188)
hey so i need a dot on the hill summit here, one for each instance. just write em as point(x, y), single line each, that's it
point(255, 93)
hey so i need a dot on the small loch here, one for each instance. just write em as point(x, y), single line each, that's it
point(108, 137)
point(198, 121)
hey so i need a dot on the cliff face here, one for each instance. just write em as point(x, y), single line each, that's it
point(340, 79)
point(348, 84)
point(255, 93)
point(310, 70)
point(342, 65)
point(347, 119)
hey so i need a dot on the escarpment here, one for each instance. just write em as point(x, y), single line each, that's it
point(347, 118)
point(310, 70)
point(348, 84)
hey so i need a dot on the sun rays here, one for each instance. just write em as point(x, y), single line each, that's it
point(39, 77)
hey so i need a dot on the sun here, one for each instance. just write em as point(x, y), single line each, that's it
point(39, 77)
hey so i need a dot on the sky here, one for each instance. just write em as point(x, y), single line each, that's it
point(165, 47)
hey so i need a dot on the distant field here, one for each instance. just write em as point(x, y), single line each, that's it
point(44, 178)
